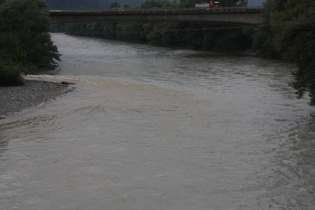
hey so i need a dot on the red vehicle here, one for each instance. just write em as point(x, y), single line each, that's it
point(214, 4)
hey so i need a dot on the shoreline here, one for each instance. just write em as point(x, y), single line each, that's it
point(16, 99)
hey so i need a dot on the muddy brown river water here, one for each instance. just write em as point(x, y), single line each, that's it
point(160, 129)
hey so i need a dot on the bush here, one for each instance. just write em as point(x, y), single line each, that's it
point(24, 39)
point(10, 75)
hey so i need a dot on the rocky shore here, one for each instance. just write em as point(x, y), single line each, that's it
point(33, 93)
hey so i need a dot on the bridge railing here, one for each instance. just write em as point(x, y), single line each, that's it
point(243, 15)
point(158, 11)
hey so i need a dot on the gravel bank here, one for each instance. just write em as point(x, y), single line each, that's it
point(34, 92)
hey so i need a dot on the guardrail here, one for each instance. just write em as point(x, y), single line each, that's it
point(242, 15)
point(159, 11)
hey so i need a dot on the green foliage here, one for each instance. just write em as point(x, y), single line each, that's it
point(114, 5)
point(234, 3)
point(294, 30)
point(294, 39)
point(9, 75)
point(289, 33)
point(157, 4)
point(24, 39)
point(263, 36)
point(188, 3)
point(131, 32)
point(163, 34)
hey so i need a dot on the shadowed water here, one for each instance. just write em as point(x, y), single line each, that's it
point(157, 128)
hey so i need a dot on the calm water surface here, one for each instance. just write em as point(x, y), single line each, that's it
point(158, 128)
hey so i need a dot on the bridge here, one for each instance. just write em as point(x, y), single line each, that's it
point(232, 15)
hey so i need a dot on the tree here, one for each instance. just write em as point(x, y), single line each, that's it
point(131, 32)
point(25, 25)
point(233, 3)
point(293, 27)
point(263, 36)
point(25, 42)
point(114, 5)
point(157, 4)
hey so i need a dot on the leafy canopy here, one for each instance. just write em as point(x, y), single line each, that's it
point(293, 27)
point(25, 38)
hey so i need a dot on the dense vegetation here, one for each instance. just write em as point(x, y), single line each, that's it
point(290, 34)
point(25, 42)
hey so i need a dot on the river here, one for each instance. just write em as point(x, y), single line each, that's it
point(160, 129)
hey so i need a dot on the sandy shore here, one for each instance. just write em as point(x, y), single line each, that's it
point(17, 98)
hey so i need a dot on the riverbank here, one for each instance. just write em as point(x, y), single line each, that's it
point(33, 93)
